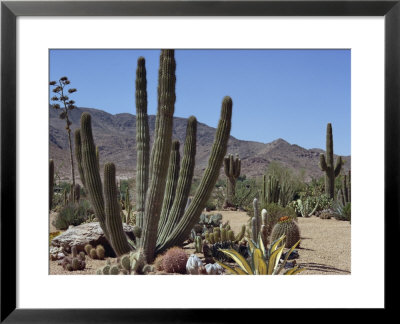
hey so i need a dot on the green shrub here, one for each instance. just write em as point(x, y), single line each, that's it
point(342, 211)
point(72, 214)
point(210, 205)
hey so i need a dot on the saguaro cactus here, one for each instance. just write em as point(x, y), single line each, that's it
point(326, 164)
point(51, 183)
point(232, 172)
point(158, 232)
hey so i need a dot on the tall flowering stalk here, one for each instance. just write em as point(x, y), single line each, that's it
point(62, 102)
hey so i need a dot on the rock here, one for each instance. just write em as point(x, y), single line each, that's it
point(293, 255)
point(56, 253)
point(326, 214)
point(290, 265)
point(89, 233)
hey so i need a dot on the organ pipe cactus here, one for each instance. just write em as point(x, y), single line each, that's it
point(175, 228)
point(142, 140)
point(270, 191)
point(232, 167)
point(117, 236)
point(172, 181)
point(51, 183)
point(326, 164)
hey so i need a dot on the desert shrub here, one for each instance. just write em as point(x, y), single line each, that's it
point(53, 235)
point(210, 204)
point(288, 177)
point(72, 214)
point(342, 211)
point(246, 190)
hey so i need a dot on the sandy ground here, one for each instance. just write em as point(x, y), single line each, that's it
point(325, 246)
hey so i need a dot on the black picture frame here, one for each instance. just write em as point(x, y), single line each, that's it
point(10, 10)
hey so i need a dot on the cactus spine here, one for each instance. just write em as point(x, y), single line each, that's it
point(51, 183)
point(326, 164)
point(232, 171)
point(142, 140)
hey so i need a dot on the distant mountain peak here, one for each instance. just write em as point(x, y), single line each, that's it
point(280, 141)
point(115, 134)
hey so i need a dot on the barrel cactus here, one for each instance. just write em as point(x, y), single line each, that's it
point(174, 260)
point(158, 232)
point(286, 226)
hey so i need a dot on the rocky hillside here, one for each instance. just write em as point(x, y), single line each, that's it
point(115, 136)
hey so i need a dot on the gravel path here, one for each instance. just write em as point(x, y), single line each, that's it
point(325, 246)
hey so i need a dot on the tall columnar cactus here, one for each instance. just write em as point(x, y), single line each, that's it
point(344, 194)
point(92, 172)
point(255, 222)
point(179, 221)
point(270, 190)
point(112, 210)
point(192, 213)
point(78, 154)
point(142, 140)
point(184, 182)
point(326, 164)
point(51, 183)
point(232, 171)
point(170, 189)
point(160, 154)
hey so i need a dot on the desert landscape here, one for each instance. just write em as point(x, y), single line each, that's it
point(162, 195)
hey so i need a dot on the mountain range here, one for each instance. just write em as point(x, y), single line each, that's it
point(116, 139)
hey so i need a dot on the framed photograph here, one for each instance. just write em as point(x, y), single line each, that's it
point(105, 169)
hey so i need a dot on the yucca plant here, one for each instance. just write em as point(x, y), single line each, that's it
point(262, 261)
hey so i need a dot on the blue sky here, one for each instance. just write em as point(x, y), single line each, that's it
point(289, 94)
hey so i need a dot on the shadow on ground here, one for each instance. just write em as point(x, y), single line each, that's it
point(322, 267)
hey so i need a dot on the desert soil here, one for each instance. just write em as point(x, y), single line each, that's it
point(325, 246)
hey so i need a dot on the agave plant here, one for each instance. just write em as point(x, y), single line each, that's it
point(262, 261)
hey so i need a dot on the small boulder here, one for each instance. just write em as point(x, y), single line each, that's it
point(89, 233)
